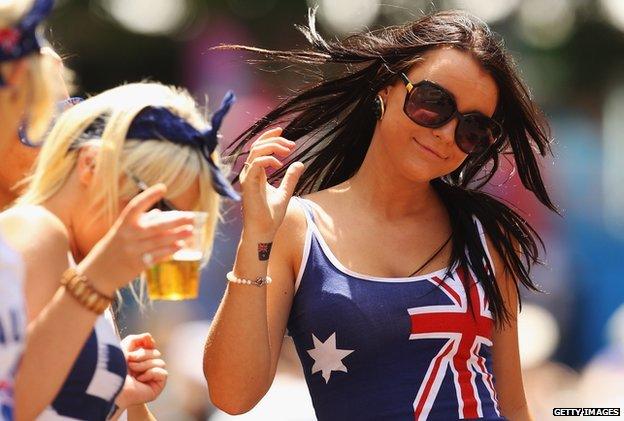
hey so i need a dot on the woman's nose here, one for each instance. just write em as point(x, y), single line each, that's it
point(446, 133)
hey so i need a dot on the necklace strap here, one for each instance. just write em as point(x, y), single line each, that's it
point(432, 256)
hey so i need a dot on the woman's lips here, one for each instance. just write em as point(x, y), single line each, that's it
point(431, 151)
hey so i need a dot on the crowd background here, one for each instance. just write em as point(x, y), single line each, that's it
point(571, 53)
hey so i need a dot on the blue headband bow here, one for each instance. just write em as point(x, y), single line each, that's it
point(154, 123)
point(22, 39)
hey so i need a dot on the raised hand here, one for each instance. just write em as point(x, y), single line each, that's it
point(264, 205)
point(121, 254)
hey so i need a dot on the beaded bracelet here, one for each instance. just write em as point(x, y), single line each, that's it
point(78, 287)
point(259, 281)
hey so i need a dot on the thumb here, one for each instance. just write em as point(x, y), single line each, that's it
point(291, 178)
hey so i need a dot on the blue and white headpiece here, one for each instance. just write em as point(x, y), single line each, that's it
point(154, 123)
point(23, 39)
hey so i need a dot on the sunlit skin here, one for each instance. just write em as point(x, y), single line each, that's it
point(15, 169)
point(13, 105)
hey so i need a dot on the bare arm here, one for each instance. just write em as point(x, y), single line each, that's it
point(246, 334)
point(245, 338)
point(506, 354)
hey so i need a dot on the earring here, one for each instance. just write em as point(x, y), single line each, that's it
point(22, 134)
point(379, 107)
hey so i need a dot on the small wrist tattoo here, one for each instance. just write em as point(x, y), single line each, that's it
point(264, 250)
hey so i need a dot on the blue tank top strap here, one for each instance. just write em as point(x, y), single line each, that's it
point(307, 208)
point(305, 254)
point(482, 237)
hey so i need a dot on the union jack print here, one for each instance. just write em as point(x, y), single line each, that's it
point(467, 330)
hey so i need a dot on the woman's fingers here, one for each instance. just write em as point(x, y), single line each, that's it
point(156, 374)
point(141, 366)
point(155, 223)
point(270, 133)
point(257, 167)
point(162, 254)
point(268, 149)
point(263, 152)
point(289, 182)
point(143, 354)
point(142, 202)
point(135, 343)
point(166, 238)
point(282, 141)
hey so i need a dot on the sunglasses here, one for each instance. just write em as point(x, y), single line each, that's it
point(430, 105)
point(163, 204)
point(22, 132)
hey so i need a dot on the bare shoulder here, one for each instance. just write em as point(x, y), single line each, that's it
point(43, 242)
point(325, 201)
point(33, 229)
point(295, 217)
point(322, 197)
point(291, 235)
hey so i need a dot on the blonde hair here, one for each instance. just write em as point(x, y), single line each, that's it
point(152, 161)
point(43, 89)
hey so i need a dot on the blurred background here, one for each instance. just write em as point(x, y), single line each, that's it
point(571, 53)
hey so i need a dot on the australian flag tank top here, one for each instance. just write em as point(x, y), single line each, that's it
point(391, 348)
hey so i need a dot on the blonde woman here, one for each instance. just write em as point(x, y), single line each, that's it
point(84, 204)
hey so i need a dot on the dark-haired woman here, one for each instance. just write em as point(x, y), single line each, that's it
point(396, 277)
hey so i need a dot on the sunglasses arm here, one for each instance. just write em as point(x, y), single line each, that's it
point(407, 82)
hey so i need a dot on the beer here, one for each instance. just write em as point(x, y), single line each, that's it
point(175, 279)
point(178, 277)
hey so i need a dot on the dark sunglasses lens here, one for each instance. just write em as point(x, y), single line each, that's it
point(476, 132)
point(163, 205)
point(429, 105)
point(158, 205)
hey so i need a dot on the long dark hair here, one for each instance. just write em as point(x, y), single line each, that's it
point(335, 117)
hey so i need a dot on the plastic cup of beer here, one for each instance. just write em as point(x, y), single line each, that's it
point(177, 278)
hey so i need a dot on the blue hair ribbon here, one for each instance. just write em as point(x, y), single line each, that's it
point(160, 123)
point(23, 39)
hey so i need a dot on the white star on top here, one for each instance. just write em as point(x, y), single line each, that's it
point(327, 357)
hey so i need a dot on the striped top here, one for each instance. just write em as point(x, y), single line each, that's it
point(94, 381)
point(96, 378)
